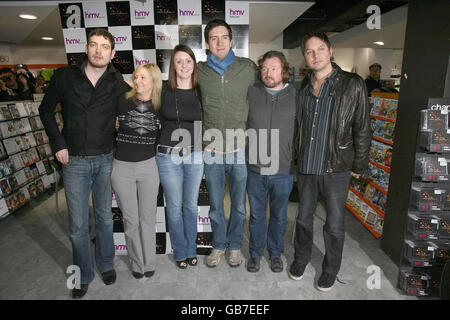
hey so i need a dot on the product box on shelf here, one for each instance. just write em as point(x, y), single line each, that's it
point(379, 223)
point(415, 283)
point(442, 253)
point(420, 253)
point(444, 226)
point(433, 120)
point(431, 167)
point(435, 141)
point(423, 227)
point(427, 198)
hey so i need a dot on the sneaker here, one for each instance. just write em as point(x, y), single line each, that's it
point(253, 264)
point(79, 293)
point(296, 271)
point(235, 258)
point(276, 264)
point(214, 258)
point(326, 282)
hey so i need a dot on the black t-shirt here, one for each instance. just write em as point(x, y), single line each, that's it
point(138, 130)
point(187, 102)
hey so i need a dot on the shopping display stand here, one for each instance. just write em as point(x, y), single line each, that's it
point(25, 155)
point(366, 198)
point(427, 235)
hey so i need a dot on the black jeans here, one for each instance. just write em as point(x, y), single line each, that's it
point(333, 189)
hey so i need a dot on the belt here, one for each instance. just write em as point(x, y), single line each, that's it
point(175, 150)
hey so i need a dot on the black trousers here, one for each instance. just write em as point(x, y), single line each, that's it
point(333, 189)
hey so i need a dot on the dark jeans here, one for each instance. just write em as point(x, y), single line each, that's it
point(333, 189)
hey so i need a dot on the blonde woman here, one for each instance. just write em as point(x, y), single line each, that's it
point(134, 175)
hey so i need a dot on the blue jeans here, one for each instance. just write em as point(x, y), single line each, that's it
point(180, 178)
point(259, 188)
point(234, 165)
point(80, 176)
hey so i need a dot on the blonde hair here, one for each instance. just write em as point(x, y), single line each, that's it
point(156, 75)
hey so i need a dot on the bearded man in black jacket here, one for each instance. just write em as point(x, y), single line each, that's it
point(334, 144)
point(88, 93)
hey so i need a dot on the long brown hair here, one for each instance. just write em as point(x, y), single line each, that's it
point(156, 75)
point(172, 83)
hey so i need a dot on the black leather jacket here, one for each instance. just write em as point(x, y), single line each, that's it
point(350, 133)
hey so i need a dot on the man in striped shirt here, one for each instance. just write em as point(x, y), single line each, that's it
point(333, 145)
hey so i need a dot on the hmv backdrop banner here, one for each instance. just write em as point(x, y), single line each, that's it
point(148, 30)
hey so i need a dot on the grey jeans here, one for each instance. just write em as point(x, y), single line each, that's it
point(136, 186)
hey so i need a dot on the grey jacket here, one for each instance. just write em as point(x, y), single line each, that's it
point(268, 111)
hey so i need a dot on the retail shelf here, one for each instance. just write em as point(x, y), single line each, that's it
point(368, 226)
point(382, 118)
point(387, 169)
point(384, 191)
point(368, 202)
point(383, 140)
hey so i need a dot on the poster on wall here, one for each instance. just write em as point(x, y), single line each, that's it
point(147, 31)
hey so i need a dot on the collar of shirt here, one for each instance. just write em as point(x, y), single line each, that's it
point(330, 79)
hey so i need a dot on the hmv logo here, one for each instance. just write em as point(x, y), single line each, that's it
point(236, 12)
point(203, 219)
point(143, 61)
point(72, 41)
point(120, 39)
point(163, 37)
point(88, 15)
point(141, 13)
point(186, 12)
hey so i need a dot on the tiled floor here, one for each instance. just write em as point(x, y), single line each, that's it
point(35, 252)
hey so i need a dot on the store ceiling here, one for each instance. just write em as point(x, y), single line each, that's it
point(268, 19)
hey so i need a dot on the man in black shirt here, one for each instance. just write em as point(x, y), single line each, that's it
point(88, 92)
point(334, 145)
point(373, 82)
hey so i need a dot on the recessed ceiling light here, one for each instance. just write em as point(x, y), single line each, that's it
point(380, 43)
point(28, 16)
point(47, 38)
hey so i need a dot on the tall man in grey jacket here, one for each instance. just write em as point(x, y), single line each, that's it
point(334, 145)
point(224, 80)
point(271, 129)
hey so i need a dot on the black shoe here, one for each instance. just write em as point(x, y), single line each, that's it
point(326, 282)
point(109, 277)
point(253, 264)
point(148, 274)
point(137, 275)
point(276, 264)
point(296, 271)
point(79, 293)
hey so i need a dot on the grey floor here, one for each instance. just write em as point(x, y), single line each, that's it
point(35, 252)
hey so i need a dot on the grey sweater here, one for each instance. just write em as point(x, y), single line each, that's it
point(269, 156)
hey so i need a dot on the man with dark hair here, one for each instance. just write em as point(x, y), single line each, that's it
point(373, 82)
point(88, 92)
point(14, 88)
point(224, 80)
point(334, 142)
point(272, 115)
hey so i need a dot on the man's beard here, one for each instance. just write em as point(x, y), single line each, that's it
point(272, 83)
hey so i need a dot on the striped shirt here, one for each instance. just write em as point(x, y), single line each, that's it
point(315, 127)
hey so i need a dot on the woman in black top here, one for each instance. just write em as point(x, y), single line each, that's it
point(134, 175)
point(179, 156)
